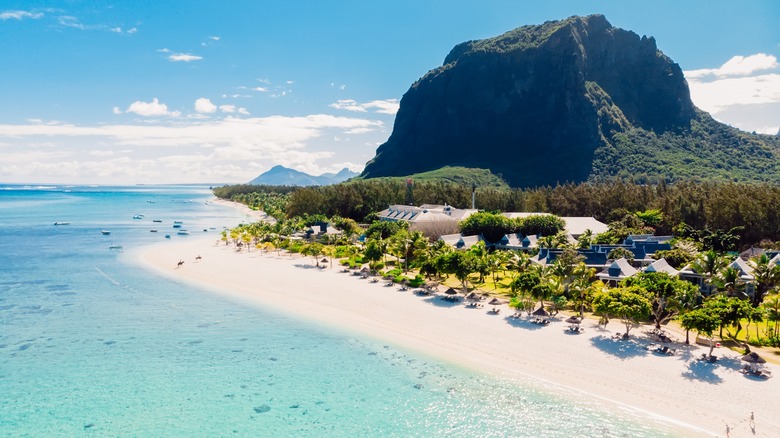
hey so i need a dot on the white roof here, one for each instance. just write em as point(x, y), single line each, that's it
point(425, 213)
point(624, 270)
point(661, 265)
point(575, 225)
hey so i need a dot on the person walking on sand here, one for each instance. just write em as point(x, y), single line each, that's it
point(728, 431)
point(752, 423)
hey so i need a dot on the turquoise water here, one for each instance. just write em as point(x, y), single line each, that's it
point(93, 345)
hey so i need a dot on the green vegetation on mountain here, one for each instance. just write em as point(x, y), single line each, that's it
point(455, 174)
point(567, 101)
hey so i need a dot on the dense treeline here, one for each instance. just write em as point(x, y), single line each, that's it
point(707, 205)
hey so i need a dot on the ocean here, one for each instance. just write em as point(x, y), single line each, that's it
point(94, 345)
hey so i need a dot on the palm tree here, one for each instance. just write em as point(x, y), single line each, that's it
point(729, 281)
point(579, 284)
point(708, 264)
point(517, 262)
point(766, 275)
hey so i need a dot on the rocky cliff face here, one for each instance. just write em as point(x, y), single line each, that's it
point(535, 103)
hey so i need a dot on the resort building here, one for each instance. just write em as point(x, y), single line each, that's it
point(432, 220)
point(618, 271)
point(575, 225)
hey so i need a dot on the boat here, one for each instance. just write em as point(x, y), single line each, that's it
point(138, 216)
point(176, 225)
point(153, 230)
point(105, 232)
point(116, 247)
point(156, 220)
point(178, 222)
point(62, 223)
point(183, 233)
point(167, 236)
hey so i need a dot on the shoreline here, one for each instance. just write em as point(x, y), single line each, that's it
point(698, 399)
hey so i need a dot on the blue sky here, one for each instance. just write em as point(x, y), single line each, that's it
point(219, 91)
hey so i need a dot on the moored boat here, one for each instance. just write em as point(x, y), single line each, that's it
point(183, 233)
point(138, 216)
point(105, 232)
point(153, 230)
point(62, 223)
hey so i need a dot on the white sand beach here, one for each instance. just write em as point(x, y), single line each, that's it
point(701, 398)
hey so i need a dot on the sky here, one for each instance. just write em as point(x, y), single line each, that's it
point(195, 91)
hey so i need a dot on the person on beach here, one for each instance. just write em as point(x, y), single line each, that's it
point(728, 431)
point(752, 423)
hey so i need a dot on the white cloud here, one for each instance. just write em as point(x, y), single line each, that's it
point(164, 50)
point(19, 15)
point(132, 30)
point(183, 57)
point(243, 111)
point(200, 150)
point(737, 66)
point(718, 95)
point(204, 106)
point(116, 110)
point(228, 108)
point(151, 109)
point(116, 29)
point(70, 21)
point(388, 106)
point(739, 90)
point(260, 89)
point(214, 38)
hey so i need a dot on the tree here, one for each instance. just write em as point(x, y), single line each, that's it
point(664, 292)
point(708, 264)
point(766, 275)
point(772, 306)
point(373, 251)
point(517, 262)
point(627, 303)
point(579, 284)
point(461, 264)
point(491, 226)
point(704, 321)
point(730, 282)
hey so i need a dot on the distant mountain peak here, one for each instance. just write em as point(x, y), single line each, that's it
point(284, 176)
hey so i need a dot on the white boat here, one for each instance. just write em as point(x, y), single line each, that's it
point(183, 233)
point(116, 247)
point(157, 220)
point(138, 216)
point(62, 223)
point(105, 232)
point(153, 230)
point(178, 222)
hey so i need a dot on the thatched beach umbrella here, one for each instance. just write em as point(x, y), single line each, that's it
point(753, 357)
point(573, 320)
point(472, 296)
point(495, 302)
point(451, 291)
point(540, 312)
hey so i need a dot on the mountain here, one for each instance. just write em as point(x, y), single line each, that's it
point(284, 176)
point(571, 100)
